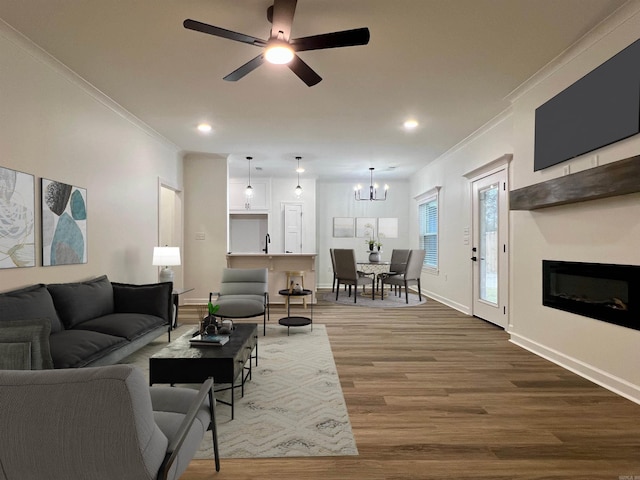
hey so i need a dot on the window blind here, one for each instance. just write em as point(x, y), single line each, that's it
point(428, 215)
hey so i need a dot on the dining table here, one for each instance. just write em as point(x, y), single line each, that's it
point(375, 268)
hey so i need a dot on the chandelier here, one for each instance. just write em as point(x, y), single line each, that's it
point(373, 190)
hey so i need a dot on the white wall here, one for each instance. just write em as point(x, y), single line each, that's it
point(335, 199)
point(53, 125)
point(205, 224)
point(282, 191)
point(604, 231)
point(452, 284)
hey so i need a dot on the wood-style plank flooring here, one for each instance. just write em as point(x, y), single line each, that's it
point(435, 394)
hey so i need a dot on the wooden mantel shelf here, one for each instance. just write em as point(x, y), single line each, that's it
point(617, 178)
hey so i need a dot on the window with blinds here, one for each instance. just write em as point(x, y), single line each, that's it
point(428, 217)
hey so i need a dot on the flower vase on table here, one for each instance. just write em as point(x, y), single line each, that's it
point(374, 256)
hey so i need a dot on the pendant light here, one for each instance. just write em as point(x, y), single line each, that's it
point(249, 190)
point(298, 190)
point(373, 190)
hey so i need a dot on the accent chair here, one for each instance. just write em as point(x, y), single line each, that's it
point(102, 423)
point(244, 293)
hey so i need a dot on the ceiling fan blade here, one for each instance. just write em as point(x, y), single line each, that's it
point(345, 38)
point(221, 32)
point(283, 11)
point(304, 71)
point(248, 67)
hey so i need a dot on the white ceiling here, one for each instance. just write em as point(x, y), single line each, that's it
point(447, 63)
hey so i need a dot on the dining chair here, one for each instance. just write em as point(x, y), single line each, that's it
point(347, 273)
point(398, 265)
point(333, 265)
point(411, 275)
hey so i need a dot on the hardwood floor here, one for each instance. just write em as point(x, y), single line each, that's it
point(435, 394)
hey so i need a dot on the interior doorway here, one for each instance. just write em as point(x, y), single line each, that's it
point(170, 222)
point(292, 227)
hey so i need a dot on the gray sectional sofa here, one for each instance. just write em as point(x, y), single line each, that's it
point(91, 323)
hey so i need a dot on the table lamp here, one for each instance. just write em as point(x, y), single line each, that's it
point(166, 256)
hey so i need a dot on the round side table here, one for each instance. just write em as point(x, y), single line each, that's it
point(295, 320)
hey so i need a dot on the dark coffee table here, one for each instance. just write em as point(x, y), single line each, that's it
point(179, 362)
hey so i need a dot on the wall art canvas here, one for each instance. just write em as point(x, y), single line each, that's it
point(388, 227)
point(366, 227)
point(17, 207)
point(343, 227)
point(64, 224)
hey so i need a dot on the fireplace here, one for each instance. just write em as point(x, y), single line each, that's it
point(610, 293)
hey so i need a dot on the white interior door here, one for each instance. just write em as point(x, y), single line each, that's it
point(489, 251)
point(293, 228)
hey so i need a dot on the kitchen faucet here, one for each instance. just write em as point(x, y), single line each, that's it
point(267, 241)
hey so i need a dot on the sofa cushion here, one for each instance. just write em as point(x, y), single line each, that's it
point(77, 348)
point(35, 334)
point(153, 299)
point(82, 301)
point(29, 303)
point(128, 325)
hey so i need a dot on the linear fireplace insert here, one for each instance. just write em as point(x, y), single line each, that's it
point(607, 292)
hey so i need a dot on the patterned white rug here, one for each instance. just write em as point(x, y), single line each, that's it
point(292, 407)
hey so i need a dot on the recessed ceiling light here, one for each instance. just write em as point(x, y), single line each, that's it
point(204, 128)
point(410, 124)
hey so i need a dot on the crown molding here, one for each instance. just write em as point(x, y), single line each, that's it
point(622, 15)
point(39, 54)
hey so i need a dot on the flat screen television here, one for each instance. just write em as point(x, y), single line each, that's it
point(601, 108)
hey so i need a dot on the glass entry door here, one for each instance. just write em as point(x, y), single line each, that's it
point(489, 252)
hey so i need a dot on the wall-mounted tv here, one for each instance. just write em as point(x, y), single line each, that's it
point(601, 108)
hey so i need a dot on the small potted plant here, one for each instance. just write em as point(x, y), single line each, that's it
point(209, 323)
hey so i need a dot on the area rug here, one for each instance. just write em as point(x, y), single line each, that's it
point(293, 405)
point(389, 300)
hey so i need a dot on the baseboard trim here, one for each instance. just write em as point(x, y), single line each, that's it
point(449, 303)
point(612, 383)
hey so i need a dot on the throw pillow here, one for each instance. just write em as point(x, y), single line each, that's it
point(33, 332)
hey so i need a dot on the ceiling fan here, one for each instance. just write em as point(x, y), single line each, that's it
point(280, 48)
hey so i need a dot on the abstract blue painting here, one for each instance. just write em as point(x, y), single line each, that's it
point(64, 224)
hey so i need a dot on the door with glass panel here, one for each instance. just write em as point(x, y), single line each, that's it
point(489, 251)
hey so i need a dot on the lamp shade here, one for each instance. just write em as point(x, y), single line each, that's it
point(165, 256)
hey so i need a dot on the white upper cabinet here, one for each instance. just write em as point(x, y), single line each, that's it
point(259, 202)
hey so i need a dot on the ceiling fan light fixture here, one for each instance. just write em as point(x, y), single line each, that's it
point(278, 52)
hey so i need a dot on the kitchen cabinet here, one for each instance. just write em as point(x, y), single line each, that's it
point(260, 201)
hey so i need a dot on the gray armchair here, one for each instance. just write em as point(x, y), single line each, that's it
point(99, 423)
point(244, 293)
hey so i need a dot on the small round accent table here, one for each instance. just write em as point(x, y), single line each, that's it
point(295, 320)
